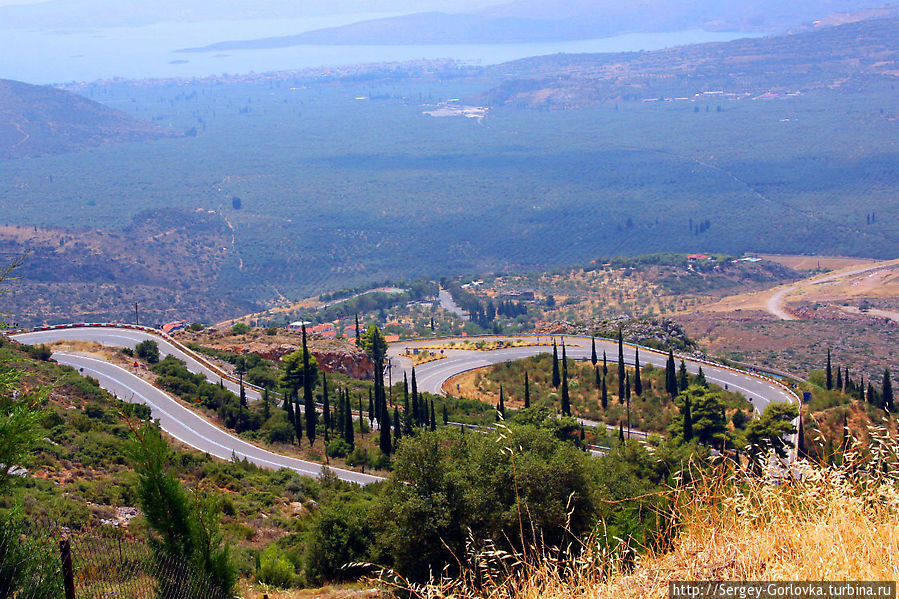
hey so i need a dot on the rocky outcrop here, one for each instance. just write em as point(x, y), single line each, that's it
point(347, 359)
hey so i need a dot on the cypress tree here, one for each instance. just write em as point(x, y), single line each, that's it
point(326, 408)
point(593, 351)
point(597, 378)
point(839, 378)
point(501, 408)
point(358, 336)
point(828, 373)
point(700, 378)
point(887, 390)
point(243, 395)
point(557, 379)
point(383, 418)
point(670, 375)
point(620, 433)
point(339, 420)
point(407, 411)
point(349, 432)
point(873, 398)
point(266, 407)
point(604, 397)
point(433, 417)
point(397, 427)
point(627, 392)
point(445, 416)
point(371, 407)
point(297, 421)
point(362, 429)
point(688, 419)
point(683, 380)
point(620, 366)
point(527, 391)
point(416, 412)
point(308, 400)
point(638, 384)
point(605, 366)
point(566, 400)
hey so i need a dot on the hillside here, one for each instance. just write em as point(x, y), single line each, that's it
point(36, 120)
point(853, 57)
point(532, 21)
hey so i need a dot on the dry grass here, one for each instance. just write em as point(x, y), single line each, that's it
point(826, 523)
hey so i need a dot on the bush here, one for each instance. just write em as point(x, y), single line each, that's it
point(240, 328)
point(338, 448)
point(274, 568)
point(147, 350)
point(277, 429)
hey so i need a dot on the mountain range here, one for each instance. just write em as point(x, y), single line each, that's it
point(37, 119)
point(530, 21)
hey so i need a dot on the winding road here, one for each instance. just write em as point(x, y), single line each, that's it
point(192, 429)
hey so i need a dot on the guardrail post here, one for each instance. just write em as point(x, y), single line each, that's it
point(68, 575)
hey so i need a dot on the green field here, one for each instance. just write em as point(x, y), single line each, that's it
point(338, 191)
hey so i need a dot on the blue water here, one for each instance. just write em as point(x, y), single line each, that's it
point(149, 52)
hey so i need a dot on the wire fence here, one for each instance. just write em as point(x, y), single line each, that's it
point(46, 561)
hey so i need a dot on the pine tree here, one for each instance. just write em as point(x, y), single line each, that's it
point(828, 373)
point(593, 357)
point(683, 380)
point(620, 366)
point(638, 383)
point(887, 390)
point(527, 391)
point(433, 417)
point(308, 400)
point(557, 379)
point(326, 408)
point(605, 394)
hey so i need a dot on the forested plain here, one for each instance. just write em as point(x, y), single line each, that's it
point(336, 190)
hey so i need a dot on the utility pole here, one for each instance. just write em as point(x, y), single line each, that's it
point(136, 314)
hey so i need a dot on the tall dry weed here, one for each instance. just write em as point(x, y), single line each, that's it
point(808, 521)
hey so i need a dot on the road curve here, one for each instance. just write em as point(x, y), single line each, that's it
point(431, 376)
point(180, 422)
point(776, 304)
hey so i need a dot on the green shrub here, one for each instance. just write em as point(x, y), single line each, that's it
point(338, 448)
point(274, 568)
point(147, 350)
point(240, 328)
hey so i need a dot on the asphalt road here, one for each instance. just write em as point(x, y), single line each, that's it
point(190, 428)
point(432, 375)
point(180, 422)
point(115, 337)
